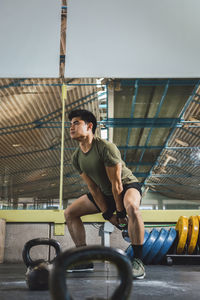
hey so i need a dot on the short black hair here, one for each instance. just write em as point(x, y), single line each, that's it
point(85, 115)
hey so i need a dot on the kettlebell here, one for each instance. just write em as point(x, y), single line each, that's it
point(57, 279)
point(37, 275)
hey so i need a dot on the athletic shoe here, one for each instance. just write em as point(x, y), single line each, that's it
point(138, 269)
point(82, 268)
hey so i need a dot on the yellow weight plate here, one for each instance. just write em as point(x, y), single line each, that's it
point(199, 232)
point(182, 229)
point(193, 232)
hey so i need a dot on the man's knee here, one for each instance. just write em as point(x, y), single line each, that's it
point(69, 214)
point(132, 210)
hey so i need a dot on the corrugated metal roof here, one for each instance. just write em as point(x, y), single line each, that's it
point(30, 133)
point(143, 116)
point(144, 149)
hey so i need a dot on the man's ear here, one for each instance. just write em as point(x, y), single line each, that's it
point(90, 125)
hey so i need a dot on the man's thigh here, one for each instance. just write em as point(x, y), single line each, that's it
point(82, 206)
point(132, 197)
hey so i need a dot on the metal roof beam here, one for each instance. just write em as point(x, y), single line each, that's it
point(160, 82)
point(156, 147)
point(145, 174)
point(18, 83)
point(167, 184)
point(161, 165)
point(13, 84)
point(120, 147)
point(110, 122)
point(142, 122)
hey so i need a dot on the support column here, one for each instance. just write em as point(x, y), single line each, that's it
point(15, 202)
point(110, 108)
point(2, 239)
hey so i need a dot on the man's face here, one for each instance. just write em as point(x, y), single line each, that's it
point(78, 129)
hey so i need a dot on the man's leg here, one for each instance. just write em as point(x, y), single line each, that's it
point(80, 207)
point(135, 224)
point(135, 229)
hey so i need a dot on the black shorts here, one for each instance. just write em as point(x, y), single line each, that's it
point(110, 199)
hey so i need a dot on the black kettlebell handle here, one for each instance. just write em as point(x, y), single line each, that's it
point(57, 283)
point(35, 242)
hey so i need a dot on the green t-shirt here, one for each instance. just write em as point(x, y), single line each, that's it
point(92, 163)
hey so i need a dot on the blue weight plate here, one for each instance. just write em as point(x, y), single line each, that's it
point(149, 242)
point(129, 250)
point(125, 236)
point(166, 246)
point(146, 235)
point(157, 245)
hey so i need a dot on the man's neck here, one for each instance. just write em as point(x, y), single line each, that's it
point(86, 143)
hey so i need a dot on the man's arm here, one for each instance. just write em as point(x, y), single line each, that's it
point(96, 192)
point(114, 175)
point(98, 197)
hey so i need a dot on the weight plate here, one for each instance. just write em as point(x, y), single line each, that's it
point(193, 232)
point(146, 235)
point(182, 229)
point(125, 236)
point(171, 236)
point(199, 235)
point(129, 250)
point(149, 242)
point(157, 245)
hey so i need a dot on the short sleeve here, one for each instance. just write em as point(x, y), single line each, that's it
point(75, 162)
point(111, 155)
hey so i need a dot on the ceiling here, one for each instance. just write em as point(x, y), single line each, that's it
point(155, 123)
point(159, 134)
point(148, 123)
point(30, 136)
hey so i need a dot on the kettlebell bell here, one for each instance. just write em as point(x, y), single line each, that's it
point(37, 274)
point(57, 281)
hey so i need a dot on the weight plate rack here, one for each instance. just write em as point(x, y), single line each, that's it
point(179, 245)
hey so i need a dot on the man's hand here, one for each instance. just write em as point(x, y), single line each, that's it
point(113, 220)
point(122, 219)
point(122, 223)
point(118, 222)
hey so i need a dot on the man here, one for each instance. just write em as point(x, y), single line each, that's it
point(112, 187)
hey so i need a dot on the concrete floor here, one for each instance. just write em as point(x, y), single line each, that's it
point(161, 282)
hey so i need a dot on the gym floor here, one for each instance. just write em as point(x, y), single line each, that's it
point(161, 282)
